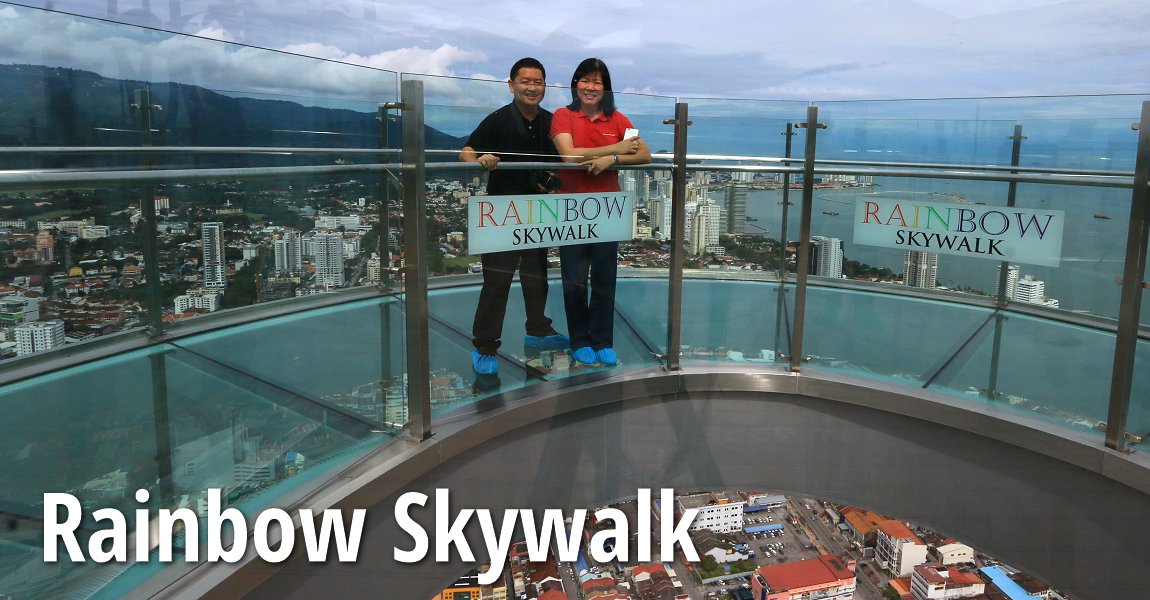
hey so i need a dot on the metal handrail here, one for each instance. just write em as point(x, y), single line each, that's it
point(35, 178)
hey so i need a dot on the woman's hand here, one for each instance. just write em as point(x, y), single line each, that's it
point(596, 166)
point(627, 146)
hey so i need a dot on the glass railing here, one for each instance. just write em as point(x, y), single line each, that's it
point(222, 242)
point(456, 107)
point(270, 196)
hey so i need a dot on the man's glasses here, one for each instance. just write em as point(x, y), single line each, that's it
point(531, 83)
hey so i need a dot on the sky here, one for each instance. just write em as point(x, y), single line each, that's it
point(762, 49)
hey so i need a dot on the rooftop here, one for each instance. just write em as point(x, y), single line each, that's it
point(895, 529)
point(823, 570)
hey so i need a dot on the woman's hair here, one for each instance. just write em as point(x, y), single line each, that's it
point(589, 67)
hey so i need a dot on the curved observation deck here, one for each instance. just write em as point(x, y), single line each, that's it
point(1001, 403)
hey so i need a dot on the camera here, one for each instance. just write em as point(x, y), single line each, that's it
point(548, 181)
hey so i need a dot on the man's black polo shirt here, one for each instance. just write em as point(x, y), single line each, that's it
point(506, 130)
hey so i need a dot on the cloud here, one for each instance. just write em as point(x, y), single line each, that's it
point(722, 48)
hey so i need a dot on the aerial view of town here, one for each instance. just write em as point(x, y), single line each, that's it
point(765, 546)
point(73, 265)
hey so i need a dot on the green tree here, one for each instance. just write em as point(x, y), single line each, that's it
point(242, 288)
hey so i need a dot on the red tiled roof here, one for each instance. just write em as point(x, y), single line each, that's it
point(805, 573)
point(901, 586)
point(898, 530)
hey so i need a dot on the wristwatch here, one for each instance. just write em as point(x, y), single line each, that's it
point(615, 157)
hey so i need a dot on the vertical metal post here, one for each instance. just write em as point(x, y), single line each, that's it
point(1125, 345)
point(163, 434)
point(1003, 273)
point(385, 351)
point(678, 233)
point(415, 263)
point(144, 107)
point(782, 271)
point(1016, 151)
point(384, 202)
point(812, 126)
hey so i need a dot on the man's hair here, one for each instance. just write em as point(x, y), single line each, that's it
point(527, 63)
point(591, 66)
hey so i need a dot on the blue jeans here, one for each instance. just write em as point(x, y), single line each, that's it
point(590, 320)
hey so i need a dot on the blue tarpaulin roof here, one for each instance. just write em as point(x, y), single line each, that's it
point(760, 528)
point(1006, 584)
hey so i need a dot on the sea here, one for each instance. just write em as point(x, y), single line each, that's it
point(1094, 242)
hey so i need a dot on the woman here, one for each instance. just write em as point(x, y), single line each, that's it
point(589, 131)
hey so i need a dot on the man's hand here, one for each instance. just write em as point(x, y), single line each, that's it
point(489, 161)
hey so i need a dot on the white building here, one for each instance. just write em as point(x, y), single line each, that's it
point(335, 222)
point(827, 256)
point(375, 268)
point(953, 554)
point(1033, 291)
point(898, 550)
point(91, 232)
point(351, 245)
point(920, 269)
point(17, 309)
point(768, 500)
point(1012, 272)
point(68, 226)
point(659, 207)
point(215, 265)
point(200, 298)
point(328, 249)
point(931, 583)
point(38, 336)
point(288, 252)
point(706, 226)
point(718, 511)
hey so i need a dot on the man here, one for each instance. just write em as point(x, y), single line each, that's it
point(518, 132)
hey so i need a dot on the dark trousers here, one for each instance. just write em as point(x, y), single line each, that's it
point(590, 320)
point(498, 270)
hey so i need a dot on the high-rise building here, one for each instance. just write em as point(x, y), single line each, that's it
point(659, 207)
point(38, 336)
point(215, 264)
point(1012, 272)
point(920, 269)
point(897, 549)
point(735, 200)
point(826, 256)
point(705, 226)
point(289, 252)
point(1031, 290)
point(328, 249)
point(46, 246)
point(374, 268)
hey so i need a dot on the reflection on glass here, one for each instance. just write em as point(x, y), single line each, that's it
point(82, 253)
point(164, 420)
